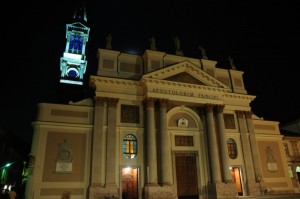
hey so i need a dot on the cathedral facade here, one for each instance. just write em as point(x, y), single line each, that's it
point(159, 126)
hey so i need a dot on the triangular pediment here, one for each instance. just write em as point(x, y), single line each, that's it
point(184, 77)
point(185, 72)
point(78, 24)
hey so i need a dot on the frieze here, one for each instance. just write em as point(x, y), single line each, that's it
point(185, 85)
point(184, 93)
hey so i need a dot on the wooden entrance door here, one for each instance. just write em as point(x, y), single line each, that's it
point(186, 175)
point(236, 177)
point(129, 183)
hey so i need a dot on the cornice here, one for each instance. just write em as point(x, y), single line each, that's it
point(237, 96)
point(160, 82)
point(108, 80)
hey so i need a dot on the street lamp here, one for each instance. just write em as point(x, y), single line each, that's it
point(6, 165)
point(3, 174)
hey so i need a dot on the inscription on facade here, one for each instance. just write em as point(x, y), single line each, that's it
point(184, 140)
point(184, 93)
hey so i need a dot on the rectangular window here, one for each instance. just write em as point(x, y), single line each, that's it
point(229, 121)
point(130, 114)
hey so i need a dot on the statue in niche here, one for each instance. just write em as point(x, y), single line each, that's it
point(203, 52)
point(152, 43)
point(177, 43)
point(108, 42)
point(231, 63)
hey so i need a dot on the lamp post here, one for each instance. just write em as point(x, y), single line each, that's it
point(6, 165)
point(3, 174)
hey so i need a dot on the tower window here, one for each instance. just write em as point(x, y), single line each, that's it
point(232, 148)
point(129, 146)
point(75, 45)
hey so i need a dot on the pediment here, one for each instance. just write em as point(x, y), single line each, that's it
point(78, 24)
point(185, 72)
point(184, 77)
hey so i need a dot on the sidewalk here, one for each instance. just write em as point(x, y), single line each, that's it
point(283, 196)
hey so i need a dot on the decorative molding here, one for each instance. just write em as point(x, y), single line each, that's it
point(184, 85)
point(182, 122)
point(106, 80)
point(238, 96)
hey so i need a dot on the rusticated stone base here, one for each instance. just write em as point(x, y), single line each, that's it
point(256, 188)
point(222, 190)
point(97, 191)
point(157, 192)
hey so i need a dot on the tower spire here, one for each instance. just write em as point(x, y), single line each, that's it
point(80, 12)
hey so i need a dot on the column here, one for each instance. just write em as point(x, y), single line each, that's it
point(246, 147)
point(253, 146)
point(166, 160)
point(111, 167)
point(99, 144)
point(213, 146)
point(151, 143)
point(223, 143)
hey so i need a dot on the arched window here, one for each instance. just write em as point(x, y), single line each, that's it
point(129, 146)
point(75, 45)
point(232, 148)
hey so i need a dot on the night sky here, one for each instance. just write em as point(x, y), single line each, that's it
point(262, 39)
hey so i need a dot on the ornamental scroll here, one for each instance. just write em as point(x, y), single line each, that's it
point(272, 165)
point(64, 157)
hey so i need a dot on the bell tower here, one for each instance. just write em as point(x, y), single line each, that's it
point(73, 63)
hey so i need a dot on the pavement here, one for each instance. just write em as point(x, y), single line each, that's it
point(285, 196)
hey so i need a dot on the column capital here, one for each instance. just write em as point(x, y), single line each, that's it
point(219, 108)
point(112, 102)
point(209, 107)
point(249, 114)
point(239, 113)
point(163, 103)
point(100, 101)
point(150, 101)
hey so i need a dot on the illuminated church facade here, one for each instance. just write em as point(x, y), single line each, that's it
point(159, 126)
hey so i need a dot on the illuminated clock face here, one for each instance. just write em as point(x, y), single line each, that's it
point(72, 72)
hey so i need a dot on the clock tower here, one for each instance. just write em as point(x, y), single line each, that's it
point(73, 63)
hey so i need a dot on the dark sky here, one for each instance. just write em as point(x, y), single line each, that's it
point(262, 39)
